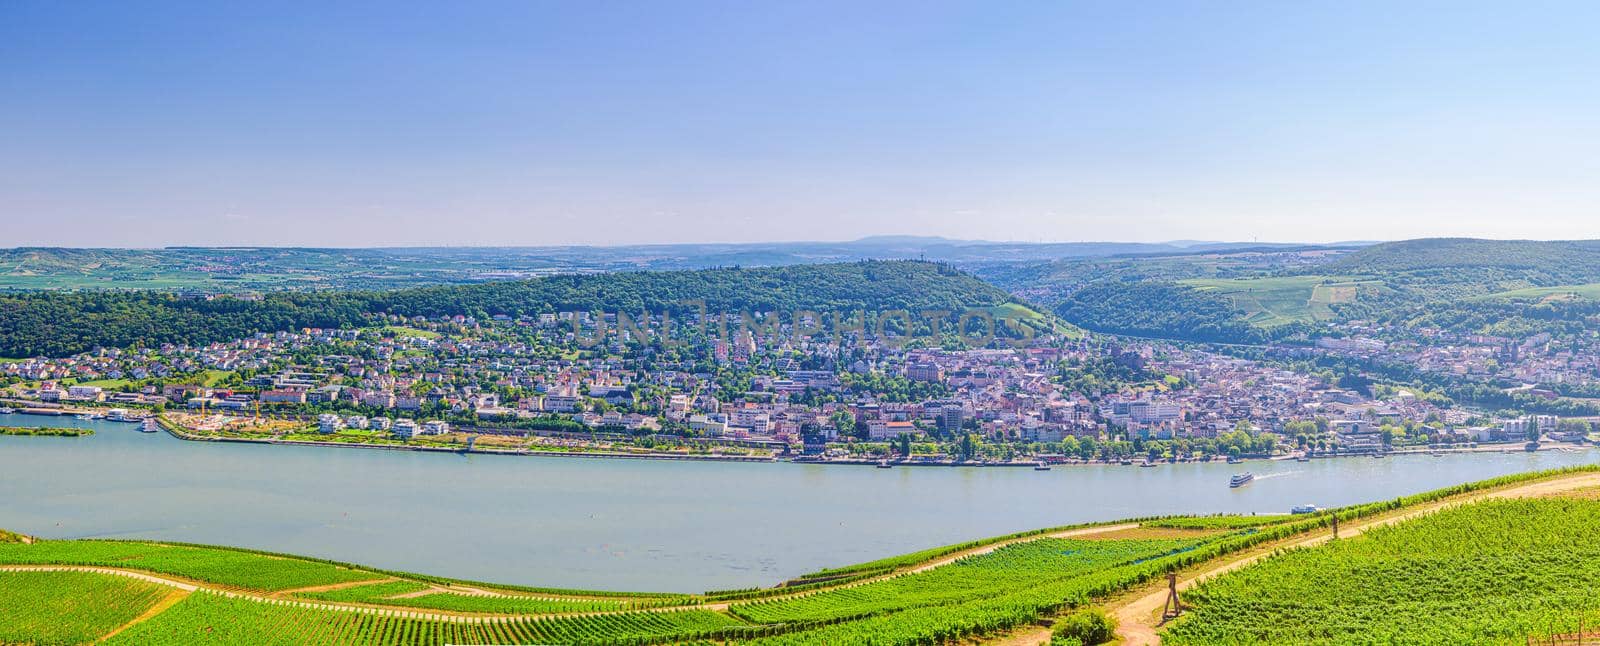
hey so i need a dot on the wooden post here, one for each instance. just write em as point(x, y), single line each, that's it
point(1336, 525)
point(1171, 608)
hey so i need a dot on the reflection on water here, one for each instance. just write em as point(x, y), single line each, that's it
point(624, 524)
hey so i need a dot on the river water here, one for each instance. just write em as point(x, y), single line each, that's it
point(622, 524)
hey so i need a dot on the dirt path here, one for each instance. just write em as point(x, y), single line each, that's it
point(1137, 617)
point(161, 606)
point(951, 558)
point(330, 587)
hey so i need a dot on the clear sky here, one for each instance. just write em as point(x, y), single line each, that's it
point(348, 124)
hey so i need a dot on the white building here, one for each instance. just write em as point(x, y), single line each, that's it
point(404, 428)
point(329, 423)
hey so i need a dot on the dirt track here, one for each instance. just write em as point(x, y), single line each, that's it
point(1138, 615)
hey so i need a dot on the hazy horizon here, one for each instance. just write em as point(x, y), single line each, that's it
point(551, 124)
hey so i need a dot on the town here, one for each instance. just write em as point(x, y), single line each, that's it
point(538, 384)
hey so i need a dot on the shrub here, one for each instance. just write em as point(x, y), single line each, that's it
point(1087, 626)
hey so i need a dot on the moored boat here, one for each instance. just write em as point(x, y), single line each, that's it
point(1304, 509)
point(884, 464)
point(1042, 466)
point(149, 425)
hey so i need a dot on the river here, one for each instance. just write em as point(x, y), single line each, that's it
point(622, 524)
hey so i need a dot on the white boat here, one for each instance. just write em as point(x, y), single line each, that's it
point(884, 464)
point(1241, 479)
point(86, 416)
point(7, 411)
point(1304, 509)
point(1042, 466)
point(149, 426)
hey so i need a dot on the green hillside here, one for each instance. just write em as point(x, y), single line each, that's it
point(1589, 291)
point(1282, 300)
point(62, 323)
point(1534, 260)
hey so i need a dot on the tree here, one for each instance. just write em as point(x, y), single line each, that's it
point(968, 446)
point(903, 444)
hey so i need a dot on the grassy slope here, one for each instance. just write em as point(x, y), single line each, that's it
point(1556, 292)
point(1281, 300)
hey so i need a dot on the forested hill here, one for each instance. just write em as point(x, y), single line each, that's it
point(1535, 261)
point(1502, 287)
point(908, 285)
point(64, 323)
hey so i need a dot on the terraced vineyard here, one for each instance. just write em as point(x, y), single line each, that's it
point(384, 593)
point(69, 607)
point(1009, 568)
point(1490, 572)
point(1220, 522)
point(236, 568)
point(215, 619)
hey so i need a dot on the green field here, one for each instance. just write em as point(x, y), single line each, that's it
point(406, 330)
point(1277, 301)
point(69, 607)
point(1490, 572)
point(1589, 291)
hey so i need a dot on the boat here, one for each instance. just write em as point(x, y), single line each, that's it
point(1302, 458)
point(1041, 466)
point(1241, 479)
point(884, 464)
point(1148, 463)
point(1304, 509)
point(1234, 460)
point(1377, 456)
point(149, 426)
point(7, 411)
point(86, 416)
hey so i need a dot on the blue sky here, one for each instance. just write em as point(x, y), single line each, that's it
point(349, 124)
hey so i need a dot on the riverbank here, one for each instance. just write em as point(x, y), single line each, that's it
point(45, 431)
point(628, 523)
point(178, 431)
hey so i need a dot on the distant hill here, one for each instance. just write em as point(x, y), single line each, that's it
point(62, 323)
point(232, 269)
point(1503, 287)
point(1538, 262)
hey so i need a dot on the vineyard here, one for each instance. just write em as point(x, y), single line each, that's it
point(69, 607)
point(215, 619)
point(225, 567)
point(1486, 572)
point(1009, 568)
point(1220, 522)
point(1490, 572)
point(384, 593)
